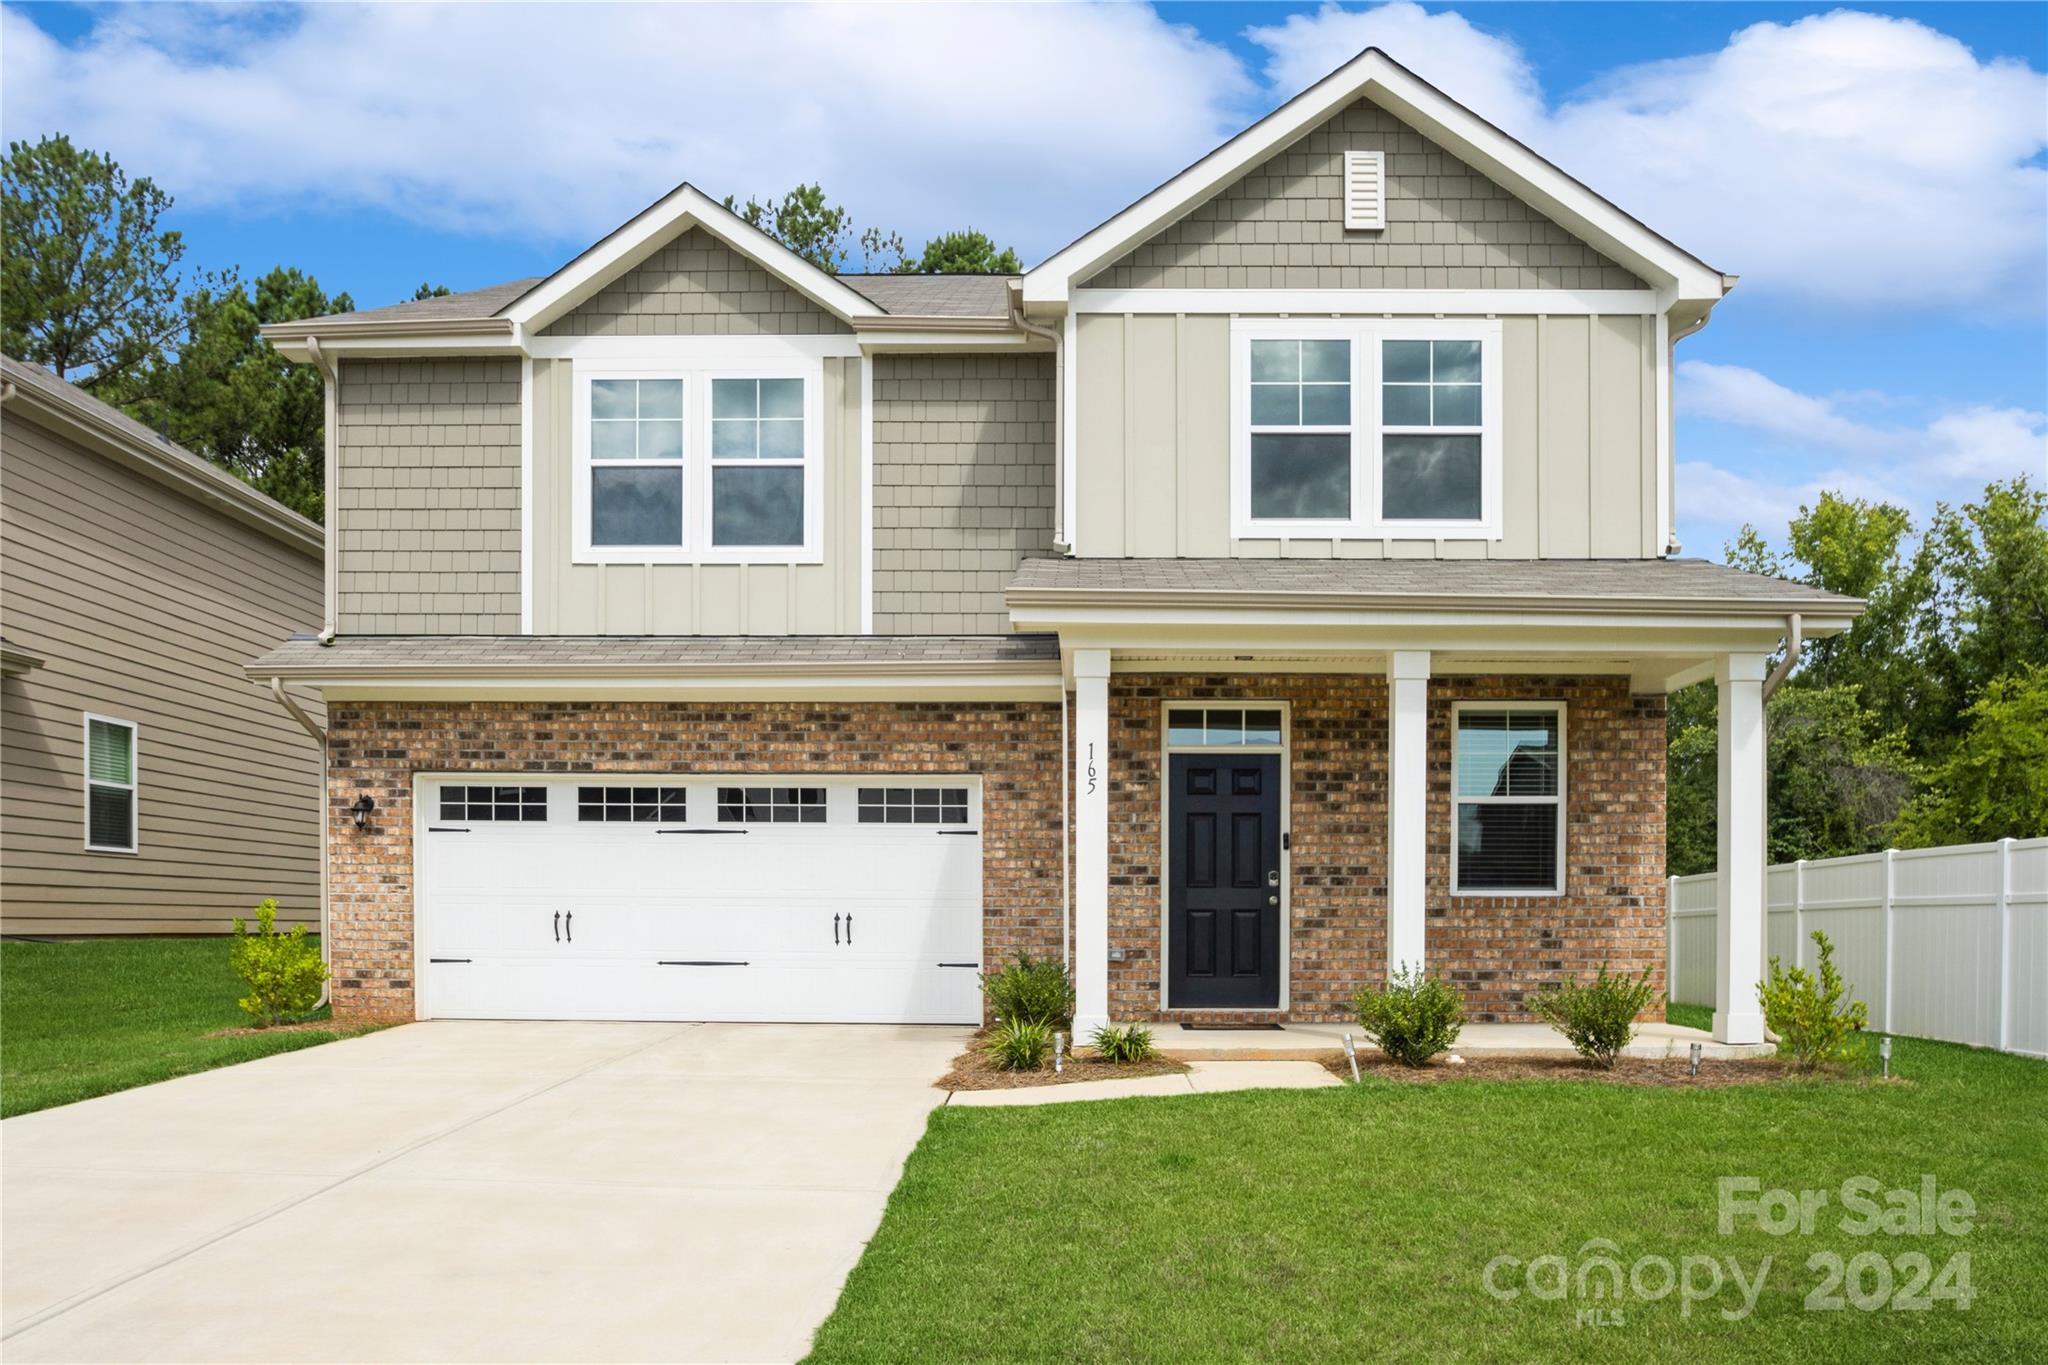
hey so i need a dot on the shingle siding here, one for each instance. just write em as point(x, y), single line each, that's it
point(963, 486)
point(1281, 226)
point(425, 508)
point(697, 286)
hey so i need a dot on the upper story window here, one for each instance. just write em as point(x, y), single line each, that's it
point(678, 464)
point(110, 785)
point(1366, 428)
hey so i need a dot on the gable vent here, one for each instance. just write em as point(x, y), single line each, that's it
point(1365, 190)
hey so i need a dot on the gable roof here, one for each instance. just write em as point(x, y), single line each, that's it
point(1675, 272)
point(34, 392)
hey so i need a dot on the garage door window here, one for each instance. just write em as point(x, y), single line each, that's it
point(771, 805)
point(494, 803)
point(913, 805)
point(663, 805)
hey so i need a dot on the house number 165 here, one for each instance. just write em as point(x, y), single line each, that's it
point(1091, 768)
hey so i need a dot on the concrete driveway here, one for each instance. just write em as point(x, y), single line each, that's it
point(467, 1191)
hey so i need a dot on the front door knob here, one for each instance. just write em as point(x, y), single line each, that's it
point(1272, 900)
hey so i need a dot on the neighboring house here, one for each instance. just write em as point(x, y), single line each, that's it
point(710, 634)
point(147, 786)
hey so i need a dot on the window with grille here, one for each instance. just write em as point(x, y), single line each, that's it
point(913, 805)
point(622, 805)
point(771, 805)
point(1508, 797)
point(110, 785)
point(494, 803)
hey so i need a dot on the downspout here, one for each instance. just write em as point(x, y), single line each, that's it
point(298, 713)
point(1066, 840)
point(1795, 643)
point(1060, 535)
point(330, 385)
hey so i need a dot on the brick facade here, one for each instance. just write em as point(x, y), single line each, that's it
point(1496, 948)
point(377, 747)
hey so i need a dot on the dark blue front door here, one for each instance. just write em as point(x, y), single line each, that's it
point(1223, 881)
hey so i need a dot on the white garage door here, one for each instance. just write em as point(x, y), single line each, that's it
point(844, 900)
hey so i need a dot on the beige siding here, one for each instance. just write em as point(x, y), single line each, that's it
point(1578, 450)
point(1281, 226)
point(144, 606)
point(425, 507)
point(683, 599)
point(964, 470)
point(695, 285)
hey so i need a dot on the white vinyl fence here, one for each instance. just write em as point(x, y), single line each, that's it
point(1945, 943)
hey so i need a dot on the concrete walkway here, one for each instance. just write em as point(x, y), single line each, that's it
point(1201, 1078)
point(1302, 1041)
point(467, 1192)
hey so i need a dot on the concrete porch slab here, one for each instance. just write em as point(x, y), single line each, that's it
point(1307, 1042)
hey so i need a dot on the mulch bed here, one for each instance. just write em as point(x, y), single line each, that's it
point(972, 1070)
point(308, 1026)
point(1673, 1072)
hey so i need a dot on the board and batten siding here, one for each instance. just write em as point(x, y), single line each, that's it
point(1579, 449)
point(143, 606)
point(702, 599)
point(965, 464)
point(425, 508)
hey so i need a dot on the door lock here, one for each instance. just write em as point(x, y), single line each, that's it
point(1273, 878)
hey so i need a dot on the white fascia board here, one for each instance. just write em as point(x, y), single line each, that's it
point(684, 206)
point(890, 342)
point(1369, 302)
point(1039, 686)
point(374, 347)
point(1431, 112)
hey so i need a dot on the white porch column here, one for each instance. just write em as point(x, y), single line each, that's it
point(1091, 841)
point(1407, 805)
point(1739, 831)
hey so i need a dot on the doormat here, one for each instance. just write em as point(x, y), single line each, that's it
point(1232, 1028)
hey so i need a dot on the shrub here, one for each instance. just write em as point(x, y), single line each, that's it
point(1599, 1018)
point(1413, 1018)
point(1124, 1043)
point(1020, 1045)
point(1031, 992)
point(1808, 1015)
point(283, 971)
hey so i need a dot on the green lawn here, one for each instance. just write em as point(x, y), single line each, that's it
point(1690, 1016)
point(91, 1017)
point(1358, 1223)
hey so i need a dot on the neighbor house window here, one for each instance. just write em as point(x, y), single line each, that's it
point(757, 462)
point(681, 463)
point(1508, 799)
point(636, 462)
point(110, 788)
point(1366, 428)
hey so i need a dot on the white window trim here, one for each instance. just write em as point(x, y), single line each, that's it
point(697, 376)
point(133, 786)
point(1365, 336)
point(1563, 768)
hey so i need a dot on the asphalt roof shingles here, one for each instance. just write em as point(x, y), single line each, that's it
point(428, 653)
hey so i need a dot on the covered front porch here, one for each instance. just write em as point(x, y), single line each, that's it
point(1292, 778)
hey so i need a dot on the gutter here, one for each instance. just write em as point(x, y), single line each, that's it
point(298, 713)
point(1795, 641)
point(1015, 294)
point(1053, 598)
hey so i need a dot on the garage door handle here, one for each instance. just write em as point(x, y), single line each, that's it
point(446, 829)
point(447, 959)
point(835, 929)
point(700, 831)
point(558, 926)
point(956, 831)
point(959, 964)
point(849, 929)
point(699, 964)
point(569, 926)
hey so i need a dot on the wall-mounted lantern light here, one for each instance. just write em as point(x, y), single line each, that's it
point(362, 808)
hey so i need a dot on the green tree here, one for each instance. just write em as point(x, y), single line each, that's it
point(1986, 610)
point(430, 291)
point(1994, 782)
point(229, 396)
point(967, 252)
point(806, 222)
point(88, 280)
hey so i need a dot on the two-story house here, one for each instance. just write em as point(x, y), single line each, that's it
point(1271, 588)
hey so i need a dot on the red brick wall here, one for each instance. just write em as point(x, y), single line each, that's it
point(376, 747)
point(1495, 948)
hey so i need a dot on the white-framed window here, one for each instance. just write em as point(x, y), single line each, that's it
point(112, 792)
point(684, 463)
point(1508, 798)
point(1365, 428)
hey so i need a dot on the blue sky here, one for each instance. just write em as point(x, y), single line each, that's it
point(1875, 175)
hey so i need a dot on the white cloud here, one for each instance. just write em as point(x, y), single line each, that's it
point(1848, 158)
point(1811, 445)
point(556, 122)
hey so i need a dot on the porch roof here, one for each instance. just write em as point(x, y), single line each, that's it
point(1662, 586)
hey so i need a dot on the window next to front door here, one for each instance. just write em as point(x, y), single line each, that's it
point(1507, 799)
